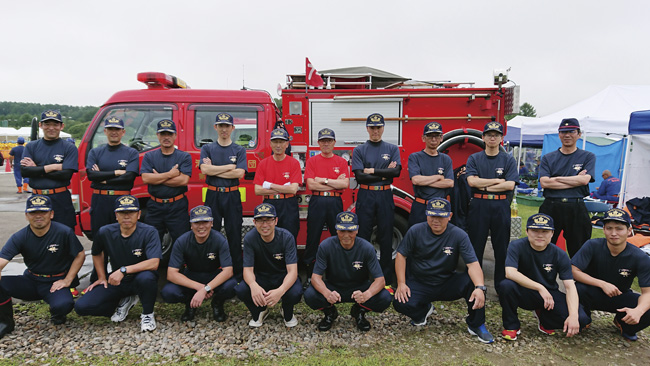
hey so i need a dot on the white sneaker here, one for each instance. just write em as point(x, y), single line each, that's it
point(291, 323)
point(424, 322)
point(123, 308)
point(260, 319)
point(147, 322)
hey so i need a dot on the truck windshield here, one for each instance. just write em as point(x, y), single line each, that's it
point(245, 119)
point(139, 124)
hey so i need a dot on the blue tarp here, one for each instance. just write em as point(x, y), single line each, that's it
point(610, 157)
point(513, 134)
point(639, 123)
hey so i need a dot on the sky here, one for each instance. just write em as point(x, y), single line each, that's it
point(81, 52)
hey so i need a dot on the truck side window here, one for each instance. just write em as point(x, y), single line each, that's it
point(139, 123)
point(245, 118)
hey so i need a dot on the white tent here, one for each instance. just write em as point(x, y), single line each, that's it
point(636, 173)
point(607, 112)
point(27, 131)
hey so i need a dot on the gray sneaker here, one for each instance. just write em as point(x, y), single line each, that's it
point(260, 319)
point(123, 308)
point(147, 322)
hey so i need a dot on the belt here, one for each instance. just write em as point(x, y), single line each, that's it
point(278, 196)
point(223, 189)
point(168, 200)
point(110, 192)
point(50, 190)
point(326, 193)
point(565, 199)
point(420, 200)
point(490, 196)
point(47, 276)
point(375, 188)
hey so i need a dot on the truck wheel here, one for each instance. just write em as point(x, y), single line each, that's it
point(400, 227)
point(166, 245)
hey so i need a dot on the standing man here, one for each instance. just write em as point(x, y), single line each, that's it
point(532, 268)
point(16, 154)
point(200, 268)
point(167, 172)
point(53, 256)
point(134, 251)
point(270, 269)
point(492, 175)
point(605, 269)
point(431, 172)
point(565, 175)
point(50, 163)
point(347, 262)
point(326, 175)
point(277, 179)
point(224, 164)
point(609, 188)
point(375, 163)
point(425, 267)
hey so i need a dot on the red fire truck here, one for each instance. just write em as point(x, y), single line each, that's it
point(349, 96)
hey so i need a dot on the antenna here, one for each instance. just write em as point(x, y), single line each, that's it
point(243, 81)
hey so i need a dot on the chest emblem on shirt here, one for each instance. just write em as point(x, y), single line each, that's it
point(278, 256)
point(53, 248)
point(441, 171)
point(548, 267)
point(137, 252)
point(286, 175)
point(499, 171)
point(122, 163)
point(233, 158)
point(385, 157)
point(337, 170)
point(448, 250)
point(58, 158)
point(357, 265)
point(211, 256)
point(577, 167)
point(624, 272)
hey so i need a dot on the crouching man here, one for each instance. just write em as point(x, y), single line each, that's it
point(425, 267)
point(605, 269)
point(532, 268)
point(204, 254)
point(347, 261)
point(134, 252)
point(53, 256)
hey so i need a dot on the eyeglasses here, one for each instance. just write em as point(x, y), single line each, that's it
point(433, 136)
point(572, 132)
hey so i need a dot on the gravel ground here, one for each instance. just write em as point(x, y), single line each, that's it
point(445, 338)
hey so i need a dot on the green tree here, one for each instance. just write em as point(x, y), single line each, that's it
point(527, 110)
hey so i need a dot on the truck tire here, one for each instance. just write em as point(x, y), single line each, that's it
point(400, 227)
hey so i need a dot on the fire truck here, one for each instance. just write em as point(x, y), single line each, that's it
point(343, 104)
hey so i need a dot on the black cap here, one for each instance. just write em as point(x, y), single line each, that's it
point(166, 125)
point(326, 133)
point(616, 214)
point(569, 124)
point(279, 134)
point(201, 213)
point(51, 115)
point(38, 202)
point(493, 126)
point(224, 119)
point(264, 210)
point(540, 221)
point(438, 207)
point(375, 119)
point(432, 127)
point(113, 122)
point(127, 203)
point(347, 221)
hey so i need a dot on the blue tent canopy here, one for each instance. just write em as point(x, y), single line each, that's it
point(513, 134)
point(639, 123)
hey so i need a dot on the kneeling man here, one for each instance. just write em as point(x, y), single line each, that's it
point(204, 256)
point(134, 252)
point(605, 269)
point(425, 267)
point(347, 262)
point(532, 268)
point(53, 256)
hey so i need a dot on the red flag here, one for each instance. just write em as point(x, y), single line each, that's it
point(312, 78)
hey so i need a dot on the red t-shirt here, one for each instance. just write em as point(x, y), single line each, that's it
point(278, 172)
point(330, 168)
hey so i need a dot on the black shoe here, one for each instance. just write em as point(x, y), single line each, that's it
point(306, 284)
point(189, 314)
point(58, 319)
point(6, 318)
point(218, 313)
point(330, 315)
point(359, 315)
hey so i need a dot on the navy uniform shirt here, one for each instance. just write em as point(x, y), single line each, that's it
point(347, 268)
point(421, 163)
point(49, 254)
point(557, 164)
point(44, 152)
point(540, 266)
point(223, 155)
point(208, 256)
point(162, 164)
point(270, 259)
point(143, 244)
point(111, 158)
point(431, 258)
point(376, 155)
point(501, 166)
point(595, 259)
point(17, 153)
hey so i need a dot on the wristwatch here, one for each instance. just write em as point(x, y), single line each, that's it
point(207, 288)
point(327, 181)
point(484, 288)
point(123, 270)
